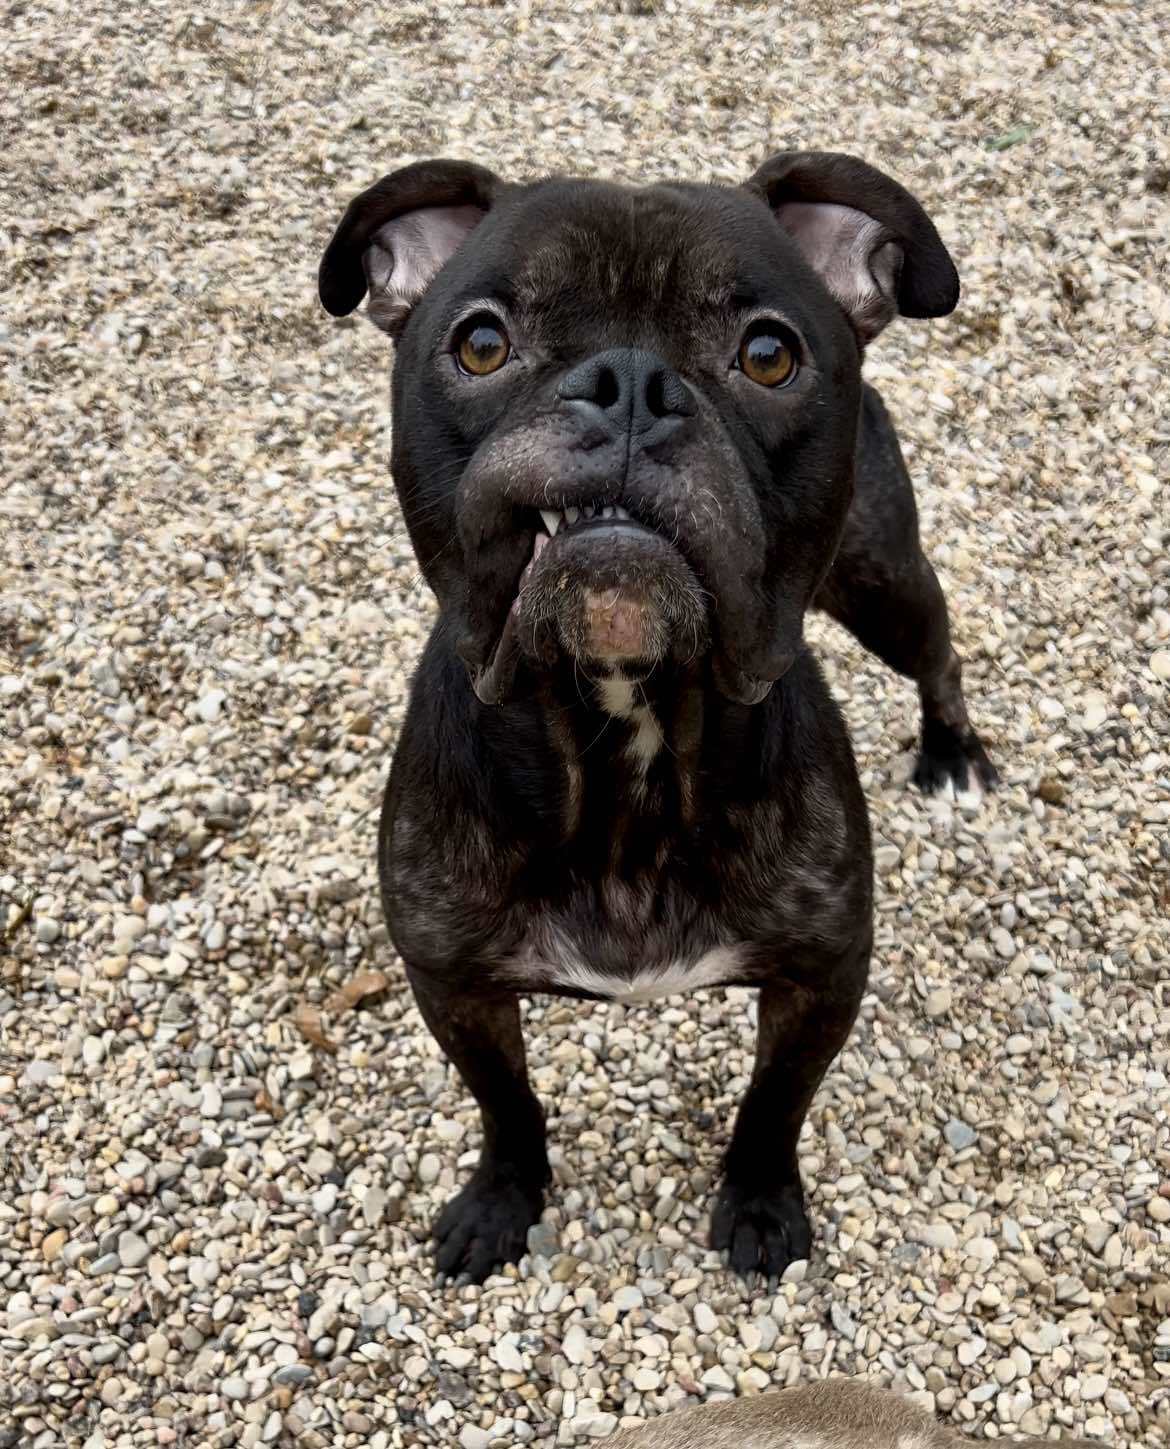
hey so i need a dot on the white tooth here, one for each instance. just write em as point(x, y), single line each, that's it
point(551, 519)
point(587, 510)
point(571, 515)
point(608, 512)
point(620, 512)
point(539, 544)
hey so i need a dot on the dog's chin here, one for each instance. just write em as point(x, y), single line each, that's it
point(609, 593)
point(613, 598)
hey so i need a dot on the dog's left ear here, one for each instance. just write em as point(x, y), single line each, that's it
point(396, 236)
point(875, 248)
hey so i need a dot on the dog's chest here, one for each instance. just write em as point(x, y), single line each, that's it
point(623, 942)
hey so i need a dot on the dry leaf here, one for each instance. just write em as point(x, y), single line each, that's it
point(307, 1020)
point(365, 983)
point(264, 1103)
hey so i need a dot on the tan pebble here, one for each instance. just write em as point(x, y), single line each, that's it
point(52, 1245)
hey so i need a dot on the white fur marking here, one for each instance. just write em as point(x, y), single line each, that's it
point(647, 740)
point(617, 697)
point(673, 979)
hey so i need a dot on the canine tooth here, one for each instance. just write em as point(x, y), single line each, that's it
point(551, 520)
point(539, 544)
point(572, 514)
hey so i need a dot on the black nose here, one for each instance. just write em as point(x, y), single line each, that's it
point(629, 389)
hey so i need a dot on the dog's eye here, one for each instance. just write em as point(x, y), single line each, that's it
point(481, 346)
point(766, 356)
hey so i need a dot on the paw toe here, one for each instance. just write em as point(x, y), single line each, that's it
point(484, 1226)
point(761, 1232)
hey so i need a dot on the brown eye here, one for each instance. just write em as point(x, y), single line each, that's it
point(482, 346)
point(766, 357)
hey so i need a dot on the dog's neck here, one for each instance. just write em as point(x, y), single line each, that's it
point(640, 756)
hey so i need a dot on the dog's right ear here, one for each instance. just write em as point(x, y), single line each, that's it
point(395, 237)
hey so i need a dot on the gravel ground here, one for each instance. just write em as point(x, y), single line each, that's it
point(223, 1128)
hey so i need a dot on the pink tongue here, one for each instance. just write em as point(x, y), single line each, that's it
point(614, 625)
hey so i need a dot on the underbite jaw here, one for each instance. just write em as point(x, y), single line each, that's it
point(555, 519)
point(564, 520)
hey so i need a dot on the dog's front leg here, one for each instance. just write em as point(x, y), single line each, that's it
point(487, 1223)
point(759, 1217)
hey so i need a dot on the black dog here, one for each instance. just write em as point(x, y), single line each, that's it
point(632, 447)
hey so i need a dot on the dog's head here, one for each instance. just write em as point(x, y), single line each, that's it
point(625, 419)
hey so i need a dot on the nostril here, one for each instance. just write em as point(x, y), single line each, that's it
point(608, 389)
point(667, 395)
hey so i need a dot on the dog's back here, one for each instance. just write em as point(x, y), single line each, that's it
point(836, 1414)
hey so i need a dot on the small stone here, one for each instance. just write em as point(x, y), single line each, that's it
point(429, 1167)
point(234, 1388)
point(47, 930)
point(938, 1001)
point(324, 1200)
point(507, 1355)
point(628, 1298)
point(52, 1245)
point(575, 1345)
point(1158, 1208)
point(132, 1250)
point(106, 1205)
point(718, 1378)
point(960, 1135)
point(374, 1206)
point(210, 705)
point(1160, 664)
point(293, 1375)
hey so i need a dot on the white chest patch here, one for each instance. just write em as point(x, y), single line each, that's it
point(619, 699)
point(559, 963)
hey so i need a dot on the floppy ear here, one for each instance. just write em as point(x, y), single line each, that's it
point(875, 248)
point(394, 238)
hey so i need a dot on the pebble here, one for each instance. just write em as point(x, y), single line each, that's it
point(960, 1135)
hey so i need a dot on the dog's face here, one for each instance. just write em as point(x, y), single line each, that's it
point(624, 419)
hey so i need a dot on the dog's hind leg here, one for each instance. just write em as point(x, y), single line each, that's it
point(883, 589)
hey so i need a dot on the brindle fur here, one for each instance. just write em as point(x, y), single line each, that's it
point(526, 844)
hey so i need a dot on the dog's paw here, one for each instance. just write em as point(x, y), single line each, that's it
point(485, 1225)
point(761, 1232)
point(953, 764)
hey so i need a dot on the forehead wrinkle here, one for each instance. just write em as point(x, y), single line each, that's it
point(637, 263)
